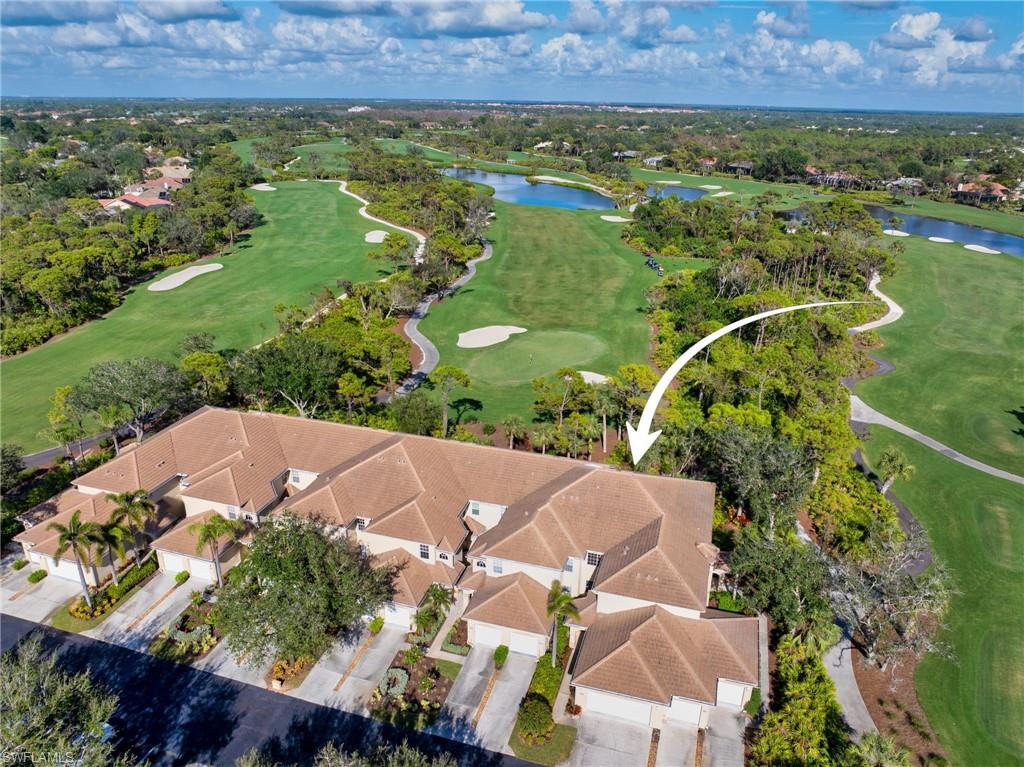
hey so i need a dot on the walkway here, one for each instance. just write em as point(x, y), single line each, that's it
point(839, 664)
point(343, 188)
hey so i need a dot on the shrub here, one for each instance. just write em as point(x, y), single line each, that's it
point(181, 577)
point(394, 682)
point(196, 598)
point(500, 655)
point(534, 722)
point(427, 684)
point(449, 644)
point(131, 579)
point(376, 624)
point(37, 576)
point(489, 429)
point(412, 656)
point(753, 706)
point(19, 563)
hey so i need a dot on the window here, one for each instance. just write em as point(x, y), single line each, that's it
point(568, 565)
point(594, 558)
point(481, 563)
point(250, 517)
point(361, 523)
point(442, 555)
point(232, 510)
point(296, 478)
point(497, 565)
point(232, 515)
point(424, 551)
point(474, 508)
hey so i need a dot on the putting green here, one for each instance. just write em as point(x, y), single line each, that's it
point(312, 237)
point(526, 356)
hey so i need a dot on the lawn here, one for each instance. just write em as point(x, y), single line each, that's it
point(312, 237)
point(555, 751)
point(243, 148)
point(332, 155)
point(958, 351)
point(568, 278)
point(449, 669)
point(974, 522)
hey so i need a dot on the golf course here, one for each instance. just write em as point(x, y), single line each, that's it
point(311, 237)
point(548, 264)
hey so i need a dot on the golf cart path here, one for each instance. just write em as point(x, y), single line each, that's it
point(420, 239)
point(861, 412)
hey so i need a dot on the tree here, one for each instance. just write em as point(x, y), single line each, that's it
point(79, 537)
point(606, 405)
point(48, 711)
point(112, 417)
point(563, 392)
point(544, 436)
point(445, 378)
point(415, 413)
point(298, 368)
point(353, 390)
point(893, 465)
point(111, 536)
point(876, 750)
point(11, 466)
point(209, 372)
point(196, 342)
point(143, 385)
point(66, 417)
point(515, 429)
point(396, 250)
point(133, 509)
point(209, 534)
point(438, 599)
point(560, 606)
point(299, 586)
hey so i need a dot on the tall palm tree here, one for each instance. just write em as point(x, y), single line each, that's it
point(112, 536)
point(132, 510)
point(544, 436)
point(893, 465)
point(560, 605)
point(80, 537)
point(876, 750)
point(208, 535)
point(438, 599)
point(515, 429)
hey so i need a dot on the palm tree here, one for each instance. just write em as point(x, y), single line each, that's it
point(79, 537)
point(560, 606)
point(893, 465)
point(515, 429)
point(208, 535)
point(438, 599)
point(133, 509)
point(605, 405)
point(112, 537)
point(446, 378)
point(544, 437)
point(876, 750)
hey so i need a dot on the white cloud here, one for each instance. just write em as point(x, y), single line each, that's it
point(473, 19)
point(928, 53)
point(23, 14)
point(795, 23)
point(919, 26)
point(337, 35)
point(171, 11)
point(974, 30)
point(585, 18)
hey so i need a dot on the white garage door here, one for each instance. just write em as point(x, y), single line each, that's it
point(397, 615)
point(684, 711)
point(488, 636)
point(618, 706)
point(524, 643)
point(172, 563)
point(65, 569)
point(730, 693)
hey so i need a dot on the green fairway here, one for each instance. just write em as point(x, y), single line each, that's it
point(332, 156)
point(565, 276)
point(243, 148)
point(312, 237)
point(958, 351)
point(975, 526)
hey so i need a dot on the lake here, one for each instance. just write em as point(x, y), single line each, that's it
point(683, 192)
point(511, 187)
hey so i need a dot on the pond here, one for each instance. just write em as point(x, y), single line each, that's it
point(511, 187)
point(683, 192)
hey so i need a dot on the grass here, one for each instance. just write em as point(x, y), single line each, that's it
point(957, 351)
point(974, 703)
point(555, 751)
point(65, 621)
point(448, 668)
point(312, 237)
point(568, 278)
point(332, 155)
point(243, 147)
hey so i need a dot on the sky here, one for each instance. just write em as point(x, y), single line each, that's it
point(864, 54)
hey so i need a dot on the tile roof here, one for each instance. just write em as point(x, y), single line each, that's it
point(516, 601)
point(651, 654)
point(414, 576)
point(181, 539)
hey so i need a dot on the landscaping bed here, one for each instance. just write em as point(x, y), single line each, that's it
point(536, 737)
point(75, 616)
point(457, 640)
point(412, 690)
point(554, 751)
point(287, 675)
point(192, 635)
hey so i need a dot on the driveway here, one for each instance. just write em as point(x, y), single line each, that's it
point(35, 602)
point(723, 739)
point(604, 741)
point(319, 686)
point(221, 663)
point(456, 719)
point(137, 622)
point(499, 715)
point(678, 745)
point(369, 670)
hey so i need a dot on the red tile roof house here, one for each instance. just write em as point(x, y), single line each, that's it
point(497, 525)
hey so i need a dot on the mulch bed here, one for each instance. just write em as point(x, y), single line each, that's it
point(461, 635)
point(414, 716)
point(896, 711)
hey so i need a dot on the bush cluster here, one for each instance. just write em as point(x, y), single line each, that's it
point(131, 579)
point(500, 655)
point(394, 682)
point(534, 722)
point(450, 645)
point(376, 624)
point(37, 576)
point(181, 577)
point(18, 564)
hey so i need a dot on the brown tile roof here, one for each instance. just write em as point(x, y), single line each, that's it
point(181, 539)
point(516, 601)
point(414, 576)
point(587, 606)
point(651, 654)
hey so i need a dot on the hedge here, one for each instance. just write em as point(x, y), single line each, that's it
point(37, 576)
point(131, 579)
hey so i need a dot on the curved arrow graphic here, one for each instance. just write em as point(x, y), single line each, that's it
point(641, 438)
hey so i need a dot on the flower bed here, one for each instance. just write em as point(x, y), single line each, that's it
point(457, 640)
point(192, 635)
point(410, 694)
point(77, 615)
point(426, 637)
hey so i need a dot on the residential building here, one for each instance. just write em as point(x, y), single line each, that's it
point(740, 167)
point(980, 192)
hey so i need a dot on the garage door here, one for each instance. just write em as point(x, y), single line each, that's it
point(172, 563)
point(684, 711)
point(618, 706)
point(397, 615)
point(524, 643)
point(65, 569)
point(488, 636)
point(730, 694)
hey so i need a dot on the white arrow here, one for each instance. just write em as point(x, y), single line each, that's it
point(641, 438)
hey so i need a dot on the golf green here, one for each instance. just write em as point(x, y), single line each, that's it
point(565, 276)
point(957, 351)
point(312, 236)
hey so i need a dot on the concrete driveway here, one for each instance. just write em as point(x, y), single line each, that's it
point(368, 671)
point(220, 662)
point(319, 686)
point(678, 745)
point(34, 602)
point(723, 739)
point(499, 715)
point(137, 622)
point(456, 719)
point(605, 741)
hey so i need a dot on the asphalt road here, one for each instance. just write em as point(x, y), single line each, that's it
point(173, 714)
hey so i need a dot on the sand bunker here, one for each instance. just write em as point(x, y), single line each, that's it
point(593, 378)
point(895, 233)
point(377, 235)
point(180, 278)
point(487, 336)
point(709, 186)
point(983, 249)
point(616, 219)
point(944, 240)
point(721, 194)
point(263, 188)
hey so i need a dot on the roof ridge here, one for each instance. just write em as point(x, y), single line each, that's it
point(728, 645)
point(679, 651)
point(627, 642)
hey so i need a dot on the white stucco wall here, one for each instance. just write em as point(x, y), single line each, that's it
point(543, 575)
point(489, 514)
point(616, 603)
point(492, 635)
point(733, 694)
point(300, 478)
point(378, 544)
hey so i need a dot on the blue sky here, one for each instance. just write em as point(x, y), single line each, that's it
point(878, 54)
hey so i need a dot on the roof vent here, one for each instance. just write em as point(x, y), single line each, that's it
point(252, 465)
